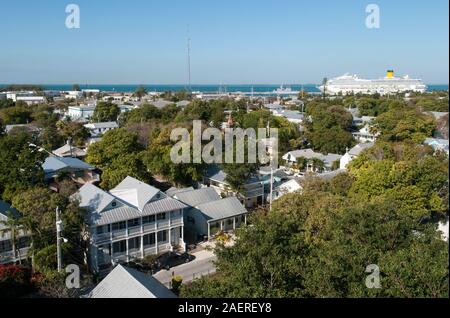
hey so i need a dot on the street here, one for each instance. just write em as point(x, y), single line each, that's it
point(202, 265)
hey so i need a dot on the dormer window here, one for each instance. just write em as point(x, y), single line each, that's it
point(114, 204)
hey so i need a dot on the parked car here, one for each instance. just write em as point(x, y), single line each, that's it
point(165, 261)
point(171, 259)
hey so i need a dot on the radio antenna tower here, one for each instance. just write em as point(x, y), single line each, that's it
point(189, 59)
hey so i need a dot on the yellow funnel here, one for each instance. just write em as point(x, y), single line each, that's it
point(390, 74)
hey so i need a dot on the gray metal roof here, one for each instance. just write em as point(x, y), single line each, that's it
point(216, 174)
point(99, 203)
point(172, 191)
point(135, 192)
point(222, 209)
point(93, 198)
point(310, 154)
point(54, 164)
point(124, 212)
point(124, 282)
point(111, 124)
point(355, 151)
point(66, 150)
point(197, 197)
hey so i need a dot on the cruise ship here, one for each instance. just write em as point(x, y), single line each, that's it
point(348, 84)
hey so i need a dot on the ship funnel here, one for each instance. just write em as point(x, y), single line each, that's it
point(390, 74)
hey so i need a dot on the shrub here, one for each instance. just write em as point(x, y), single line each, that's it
point(15, 281)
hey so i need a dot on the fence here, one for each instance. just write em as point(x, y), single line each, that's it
point(192, 277)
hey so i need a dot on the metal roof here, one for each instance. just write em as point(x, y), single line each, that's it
point(197, 197)
point(124, 282)
point(53, 164)
point(355, 151)
point(135, 192)
point(222, 209)
point(124, 212)
point(111, 124)
point(172, 191)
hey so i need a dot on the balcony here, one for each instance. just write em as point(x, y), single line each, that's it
point(176, 221)
point(163, 224)
point(119, 234)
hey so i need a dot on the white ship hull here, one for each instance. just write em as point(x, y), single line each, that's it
point(351, 84)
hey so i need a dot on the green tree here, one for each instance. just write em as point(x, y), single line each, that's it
point(20, 165)
point(140, 92)
point(16, 115)
point(106, 111)
point(123, 166)
point(76, 87)
point(115, 143)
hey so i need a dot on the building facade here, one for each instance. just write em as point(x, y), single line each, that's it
point(131, 221)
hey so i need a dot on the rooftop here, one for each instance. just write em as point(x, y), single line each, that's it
point(124, 282)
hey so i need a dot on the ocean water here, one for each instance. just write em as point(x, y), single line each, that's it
point(258, 88)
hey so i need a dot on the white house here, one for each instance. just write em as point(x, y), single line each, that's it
point(365, 134)
point(292, 116)
point(131, 221)
point(73, 94)
point(98, 129)
point(82, 111)
point(328, 160)
point(286, 187)
point(353, 153)
point(27, 97)
point(7, 254)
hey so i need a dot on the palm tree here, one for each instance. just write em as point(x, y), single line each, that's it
point(317, 164)
point(324, 84)
point(30, 226)
point(12, 226)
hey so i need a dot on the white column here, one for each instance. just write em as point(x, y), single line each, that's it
point(142, 239)
point(209, 230)
point(156, 241)
point(234, 223)
point(245, 219)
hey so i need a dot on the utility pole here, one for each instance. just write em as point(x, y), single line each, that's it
point(271, 169)
point(59, 228)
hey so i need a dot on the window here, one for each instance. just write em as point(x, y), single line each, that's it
point(119, 226)
point(134, 243)
point(114, 204)
point(162, 236)
point(149, 239)
point(161, 216)
point(102, 229)
point(5, 246)
point(230, 221)
point(120, 247)
point(133, 223)
point(148, 219)
point(99, 230)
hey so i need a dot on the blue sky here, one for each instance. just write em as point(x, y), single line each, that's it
point(233, 41)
